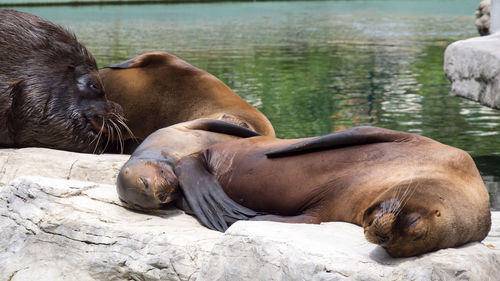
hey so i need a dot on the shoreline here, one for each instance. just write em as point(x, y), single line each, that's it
point(76, 3)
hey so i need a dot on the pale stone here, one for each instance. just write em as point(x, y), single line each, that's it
point(59, 164)
point(483, 17)
point(473, 67)
point(56, 229)
point(334, 251)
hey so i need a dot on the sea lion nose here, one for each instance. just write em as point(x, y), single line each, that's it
point(114, 108)
point(163, 197)
point(382, 239)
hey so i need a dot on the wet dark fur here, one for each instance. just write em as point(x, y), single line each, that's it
point(50, 92)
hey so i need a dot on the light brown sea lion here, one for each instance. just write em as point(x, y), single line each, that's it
point(158, 89)
point(147, 180)
point(50, 91)
point(411, 194)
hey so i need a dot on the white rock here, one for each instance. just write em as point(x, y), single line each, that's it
point(483, 17)
point(58, 229)
point(70, 230)
point(473, 67)
point(334, 251)
point(59, 164)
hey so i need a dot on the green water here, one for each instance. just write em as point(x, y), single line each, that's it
point(314, 67)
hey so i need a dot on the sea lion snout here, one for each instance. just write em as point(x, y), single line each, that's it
point(403, 229)
point(382, 239)
point(147, 185)
point(379, 221)
point(99, 113)
point(106, 118)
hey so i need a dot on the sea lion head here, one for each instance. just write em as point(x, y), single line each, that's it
point(411, 219)
point(147, 183)
point(55, 97)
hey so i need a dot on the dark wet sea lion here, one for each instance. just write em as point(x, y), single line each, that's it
point(410, 194)
point(50, 91)
point(147, 180)
point(158, 89)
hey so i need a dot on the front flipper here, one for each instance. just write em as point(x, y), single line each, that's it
point(348, 137)
point(205, 196)
point(218, 126)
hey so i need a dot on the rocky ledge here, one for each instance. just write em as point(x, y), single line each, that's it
point(60, 228)
point(472, 66)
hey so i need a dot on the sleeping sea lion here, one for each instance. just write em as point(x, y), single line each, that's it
point(147, 180)
point(50, 91)
point(411, 194)
point(158, 89)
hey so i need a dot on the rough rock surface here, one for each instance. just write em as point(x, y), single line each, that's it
point(473, 67)
point(334, 251)
point(59, 164)
point(59, 229)
point(483, 17)
point(55, 229)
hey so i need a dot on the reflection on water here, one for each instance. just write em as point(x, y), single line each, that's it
point(314, 67)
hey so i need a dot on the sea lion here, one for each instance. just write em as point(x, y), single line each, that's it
point(50, 92)
point(411, 194)
point(147, 180)
point(158, 89)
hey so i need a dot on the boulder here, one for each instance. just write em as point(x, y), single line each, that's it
point(334, 251)
point(473, 67)
point(59, 164)
point(59, 229)
point(483, 17)
point(55, 229)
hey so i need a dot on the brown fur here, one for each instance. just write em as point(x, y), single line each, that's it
point(158, 89)
point(411, 194)
point(50, 91)
point(147, 180)
point(411, 197)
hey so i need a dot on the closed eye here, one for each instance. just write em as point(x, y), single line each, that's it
point(414, 221)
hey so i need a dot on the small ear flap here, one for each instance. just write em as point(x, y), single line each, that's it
point(16, 94)
point(140, 61)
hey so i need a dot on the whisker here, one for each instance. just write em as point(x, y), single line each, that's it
point(98, 138)
point(410, 190)
point(121, 121)
point(111, 135)
point(107, 141)
point(119, 135)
